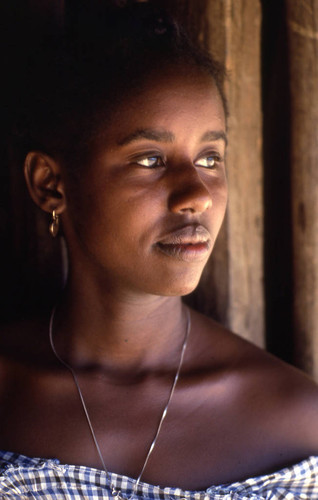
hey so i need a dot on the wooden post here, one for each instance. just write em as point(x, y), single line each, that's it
point(245, 216)
point(231, 30)
point(303, 44)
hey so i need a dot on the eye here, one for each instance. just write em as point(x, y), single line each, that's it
point(208, 161)
point(150, 161)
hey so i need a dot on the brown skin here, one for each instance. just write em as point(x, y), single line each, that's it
point(237, 411)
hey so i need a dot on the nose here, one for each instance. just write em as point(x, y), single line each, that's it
point(189, 192)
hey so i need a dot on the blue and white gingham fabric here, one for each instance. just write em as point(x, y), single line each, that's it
point(36, 478)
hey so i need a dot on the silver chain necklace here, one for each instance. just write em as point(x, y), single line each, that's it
point(117, 494)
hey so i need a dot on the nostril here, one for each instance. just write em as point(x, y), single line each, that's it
point(187, 210)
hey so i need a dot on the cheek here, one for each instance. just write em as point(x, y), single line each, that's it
point(219, 194)
point(122, 217)
point(222, 195)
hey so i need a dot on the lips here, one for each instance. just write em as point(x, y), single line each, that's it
point(189, 243)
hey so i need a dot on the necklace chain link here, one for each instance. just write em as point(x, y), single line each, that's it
point(117, 493)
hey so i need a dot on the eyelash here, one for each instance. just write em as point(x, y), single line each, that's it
point(160, 162)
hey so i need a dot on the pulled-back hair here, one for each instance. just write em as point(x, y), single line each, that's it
point(76, 79)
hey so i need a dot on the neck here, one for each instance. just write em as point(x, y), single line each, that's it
point(116, 332)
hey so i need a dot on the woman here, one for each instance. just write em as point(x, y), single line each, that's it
point(125, 145)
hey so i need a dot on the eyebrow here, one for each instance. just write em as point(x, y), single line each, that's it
point(166, 136)
point(148, 133)
point(214, 135)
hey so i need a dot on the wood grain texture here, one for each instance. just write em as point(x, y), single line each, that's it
point(233, 281)
point(245, 214)
point(303, 45)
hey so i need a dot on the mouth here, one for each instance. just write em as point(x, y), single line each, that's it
point(191, 243)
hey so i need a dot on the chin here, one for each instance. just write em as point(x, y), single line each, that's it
point(179, 288)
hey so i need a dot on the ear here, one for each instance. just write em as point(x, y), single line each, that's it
point(44, 180)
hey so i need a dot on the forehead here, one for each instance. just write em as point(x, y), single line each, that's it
point(177, 100)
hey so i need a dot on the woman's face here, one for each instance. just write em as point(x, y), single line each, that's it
point(149, 207)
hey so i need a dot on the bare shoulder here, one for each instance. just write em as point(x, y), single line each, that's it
point(278, 401)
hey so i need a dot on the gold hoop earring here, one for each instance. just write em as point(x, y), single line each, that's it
point(55, 224)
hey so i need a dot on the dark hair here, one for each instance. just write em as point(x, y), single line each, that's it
point(75, 79)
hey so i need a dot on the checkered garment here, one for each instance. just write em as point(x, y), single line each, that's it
point(36, 478)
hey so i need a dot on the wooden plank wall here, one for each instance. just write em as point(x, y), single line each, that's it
point(302, 22)
point(263, 278)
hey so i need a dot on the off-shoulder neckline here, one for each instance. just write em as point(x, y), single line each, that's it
point(9, 460)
